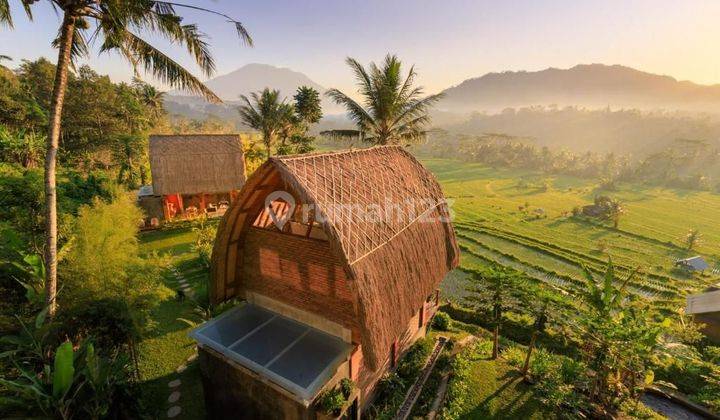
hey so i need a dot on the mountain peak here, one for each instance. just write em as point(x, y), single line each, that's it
point(591, 85)
point(253, 77)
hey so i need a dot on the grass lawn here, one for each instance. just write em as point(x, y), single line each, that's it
point(167, 346)
point(496, 391)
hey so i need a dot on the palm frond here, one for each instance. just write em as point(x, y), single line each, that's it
point(165, 69)
point(5, 15)
point(243, 34)
point(418, 107)
point(355, 111)
point(79, 47)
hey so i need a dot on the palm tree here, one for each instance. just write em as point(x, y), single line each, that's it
point(151, 97)
point(497, 289)
point(265, 113)
point(692, 239)
point(545, 306)
point(614, 211)
point(116, 25)
point(392, 111)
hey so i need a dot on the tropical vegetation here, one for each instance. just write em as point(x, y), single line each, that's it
point(392, 111)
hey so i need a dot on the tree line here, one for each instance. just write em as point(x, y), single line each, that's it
point(688, 164)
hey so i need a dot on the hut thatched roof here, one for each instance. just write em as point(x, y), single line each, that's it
point(394, 263)
point(191, 164)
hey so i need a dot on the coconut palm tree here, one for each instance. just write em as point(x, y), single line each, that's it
point(117, 26)
point(266, 113)
point(497, 289)
point(614, 211)
point(392, 110)
point(151, 97)
point(692, 239)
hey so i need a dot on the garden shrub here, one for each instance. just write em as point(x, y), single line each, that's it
point(517, 328)
point(104, 261)
point(414, 360)
point(206, 232)
point(332, 401)
point(390, 394)
point(346, 386)
point(391, 384)
point(108, 321)
point(442, 321)
point(457, 386)
point(514, 356)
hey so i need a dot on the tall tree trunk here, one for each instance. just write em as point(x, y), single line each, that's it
point(496, 341)
point(61, 72)
point(526, 366)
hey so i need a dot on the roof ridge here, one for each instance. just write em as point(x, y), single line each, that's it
point(335, 152)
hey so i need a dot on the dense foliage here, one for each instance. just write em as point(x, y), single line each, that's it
point(680, 164)
point(283, 126)
point(392, 109)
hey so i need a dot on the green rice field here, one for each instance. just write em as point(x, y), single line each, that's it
point(524, 220)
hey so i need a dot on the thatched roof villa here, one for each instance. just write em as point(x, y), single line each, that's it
point(338, 257)
point(193, 175)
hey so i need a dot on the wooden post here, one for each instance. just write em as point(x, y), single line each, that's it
point(166, 211)
point(180, 204)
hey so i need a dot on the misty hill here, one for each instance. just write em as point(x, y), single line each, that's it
point(243, 81)
point(639, 133)
point(254, 77)
point(593, 85)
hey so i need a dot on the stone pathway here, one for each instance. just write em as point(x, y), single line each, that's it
point(182, 283)
point(174, 399)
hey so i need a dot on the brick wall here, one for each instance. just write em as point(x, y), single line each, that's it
point(368, 379)
point(300, 272)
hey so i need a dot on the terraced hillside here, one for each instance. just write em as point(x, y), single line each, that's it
point(524, 220)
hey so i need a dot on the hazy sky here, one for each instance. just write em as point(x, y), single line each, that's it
point(447, 40)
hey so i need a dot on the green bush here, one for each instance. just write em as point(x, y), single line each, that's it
point(517, 328)
point(206, 232)
point(103, 260)
point(332, 401)
point(457, 386)
point(442, 321)
point(108, 321)
point(390, 394)
point(414, 360)
point(346, 386)
point(63, 381)
point(514, 355)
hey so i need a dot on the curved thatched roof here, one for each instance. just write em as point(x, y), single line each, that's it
point(394, 261)
point(196, 163)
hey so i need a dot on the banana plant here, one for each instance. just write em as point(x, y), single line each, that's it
point(54, 390)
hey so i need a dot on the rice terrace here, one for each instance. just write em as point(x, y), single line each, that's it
point(492, 226)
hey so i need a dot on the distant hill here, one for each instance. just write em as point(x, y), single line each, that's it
point(243, 81)
point(254, 77)
point(585, 85)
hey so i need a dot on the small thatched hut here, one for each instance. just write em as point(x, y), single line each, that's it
point(196, 174)
point(351, 245)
